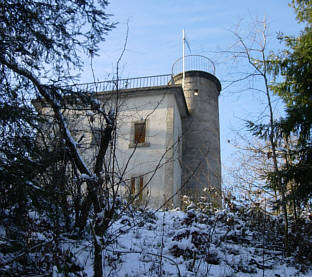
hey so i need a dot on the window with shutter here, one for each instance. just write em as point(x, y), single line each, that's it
point(139, 132)
point(137, 186)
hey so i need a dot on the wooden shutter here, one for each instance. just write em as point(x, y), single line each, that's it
point(141, 188)
point(139, 132)
point(132, 186)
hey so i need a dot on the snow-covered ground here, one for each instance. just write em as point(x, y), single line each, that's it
point(174, 243)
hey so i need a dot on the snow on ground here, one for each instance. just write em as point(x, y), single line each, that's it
point(174, 243)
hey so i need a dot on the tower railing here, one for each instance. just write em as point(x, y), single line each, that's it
point(193, 62)
point(121, 84)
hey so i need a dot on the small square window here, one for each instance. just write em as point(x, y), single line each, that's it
point(139, 132)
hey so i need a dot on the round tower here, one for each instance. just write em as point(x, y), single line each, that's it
point(201, 160)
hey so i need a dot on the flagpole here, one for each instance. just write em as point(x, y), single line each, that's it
point(183, 54)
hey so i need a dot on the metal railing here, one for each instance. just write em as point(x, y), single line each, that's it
point(193, 62)
point(130, 83)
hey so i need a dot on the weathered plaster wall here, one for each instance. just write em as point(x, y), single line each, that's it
point(156, 159)
point(148, 161)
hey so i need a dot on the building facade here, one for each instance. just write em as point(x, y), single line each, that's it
point(167, 135)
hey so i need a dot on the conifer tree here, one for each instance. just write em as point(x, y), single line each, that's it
point(42, 44)
point(294, 65)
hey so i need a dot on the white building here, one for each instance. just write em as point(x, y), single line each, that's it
point(167, 134)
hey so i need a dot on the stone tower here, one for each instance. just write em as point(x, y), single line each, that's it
point(201, 160)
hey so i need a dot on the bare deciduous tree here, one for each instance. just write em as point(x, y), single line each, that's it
point(254, 51)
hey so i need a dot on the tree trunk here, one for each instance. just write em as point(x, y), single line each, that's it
point(97, 266)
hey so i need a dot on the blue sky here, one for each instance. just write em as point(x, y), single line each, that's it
point(155, 43)
point(155, 30)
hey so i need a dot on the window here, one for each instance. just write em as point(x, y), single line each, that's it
point(137, 186)
point(96, 134)
point(139, 132)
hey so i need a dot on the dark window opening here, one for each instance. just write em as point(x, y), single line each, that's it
point(139, 132)
point(96, 136)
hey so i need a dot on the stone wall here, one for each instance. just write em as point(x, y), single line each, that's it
point(201, 137)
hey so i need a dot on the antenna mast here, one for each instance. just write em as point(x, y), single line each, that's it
point(183, 57)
